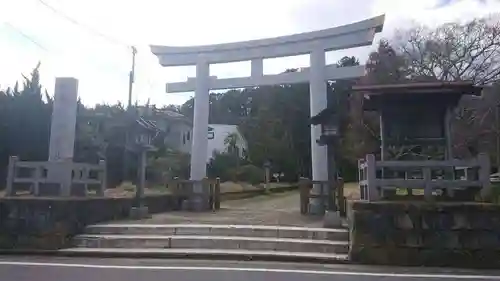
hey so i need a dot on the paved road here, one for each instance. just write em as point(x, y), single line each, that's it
point(76, 269)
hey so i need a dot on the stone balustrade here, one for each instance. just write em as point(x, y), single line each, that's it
point(376, 178)
point(34, 178)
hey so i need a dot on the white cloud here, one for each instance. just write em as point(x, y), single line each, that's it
point(102, 66)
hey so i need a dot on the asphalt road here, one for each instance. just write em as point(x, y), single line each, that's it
point(77, 269)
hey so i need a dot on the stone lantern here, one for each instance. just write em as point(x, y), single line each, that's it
point(144, 132)
point(328, 119)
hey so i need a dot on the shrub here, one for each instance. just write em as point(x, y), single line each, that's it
point(251, 174)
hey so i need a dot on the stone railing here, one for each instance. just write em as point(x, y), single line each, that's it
point(331, 195)
point(196, 195)
point(378, 177)
point(33, 178)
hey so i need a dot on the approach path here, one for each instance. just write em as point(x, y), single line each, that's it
point(272, 209)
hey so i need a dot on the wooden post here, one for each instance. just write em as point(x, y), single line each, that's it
point(103, 172)
point(85, 175)
point(211, 194)
point(484, 176)
point(323, 199)
point(447, 134)
point(382, 139)
point(267, 176)
point(371, 178)
point(448, 155)
point(217, 194)
point(361, 177)
point(36, 180)
point(304, 195)
point(341, 204)
point(11, 175)
point(427, 179)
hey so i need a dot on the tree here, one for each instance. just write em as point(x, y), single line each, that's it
point(231, 142)
point(24, 122)
point(461, 52)
point(274, 120)
point(454, 51)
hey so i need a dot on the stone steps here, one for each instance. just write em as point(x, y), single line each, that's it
point(204, 254)
point(340, 234)
point(213, 240)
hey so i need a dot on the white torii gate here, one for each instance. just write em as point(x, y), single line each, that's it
point(314, 43)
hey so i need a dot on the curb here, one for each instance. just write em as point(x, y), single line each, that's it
point(180, 255)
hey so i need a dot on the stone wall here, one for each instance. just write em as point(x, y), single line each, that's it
point(425, 233)
point(49, 223)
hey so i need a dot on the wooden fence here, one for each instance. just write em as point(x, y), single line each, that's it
point(378, 177)
point(185, 190)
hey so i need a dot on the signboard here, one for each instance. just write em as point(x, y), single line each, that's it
point(211, 133)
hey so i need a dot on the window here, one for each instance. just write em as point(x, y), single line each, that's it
point(188, 135)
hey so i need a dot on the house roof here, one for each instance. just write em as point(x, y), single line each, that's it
point(147, 124)
point(435, 94)
point(172, 115)
point(461, 87)
point(322, 116)
point(378, 91)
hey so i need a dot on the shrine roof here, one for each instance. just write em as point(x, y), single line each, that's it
point(453, 88)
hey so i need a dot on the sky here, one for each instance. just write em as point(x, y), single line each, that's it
point(90, 39)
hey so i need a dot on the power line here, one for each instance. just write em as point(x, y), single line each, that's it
point(75, 22)
point(36, 43)
point(29, 38)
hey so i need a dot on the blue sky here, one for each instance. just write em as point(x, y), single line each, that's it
point(102, 66)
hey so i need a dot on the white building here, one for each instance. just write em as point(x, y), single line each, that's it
point(177, 127)
point(179, 132)
point(217, 134)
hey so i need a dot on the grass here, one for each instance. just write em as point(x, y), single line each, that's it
point(351, 191)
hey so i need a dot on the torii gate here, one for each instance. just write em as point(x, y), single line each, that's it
point(314, 43)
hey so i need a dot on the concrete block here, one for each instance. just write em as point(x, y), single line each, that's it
point(295, 233)
point(404, 221)
point(187, 230)
point(257, 245)
point(298, 247)
point(332, 220)
point(189, 242)
point(139, 213)
point(148, 230)
point(339, 248)
point(264, 232)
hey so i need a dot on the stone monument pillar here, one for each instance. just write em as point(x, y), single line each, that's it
point(319, 154)
point(62, 133)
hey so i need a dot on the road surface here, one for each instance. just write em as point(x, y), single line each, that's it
point(80, 269)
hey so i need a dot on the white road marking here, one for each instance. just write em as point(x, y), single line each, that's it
point(242, 269)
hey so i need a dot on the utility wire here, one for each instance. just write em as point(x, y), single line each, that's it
point(36, 43)
point(88, 28)
point(29, 38)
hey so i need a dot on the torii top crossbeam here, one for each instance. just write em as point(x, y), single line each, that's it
point(337, 38)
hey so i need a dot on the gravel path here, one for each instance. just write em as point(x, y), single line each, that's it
point(273, 209)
